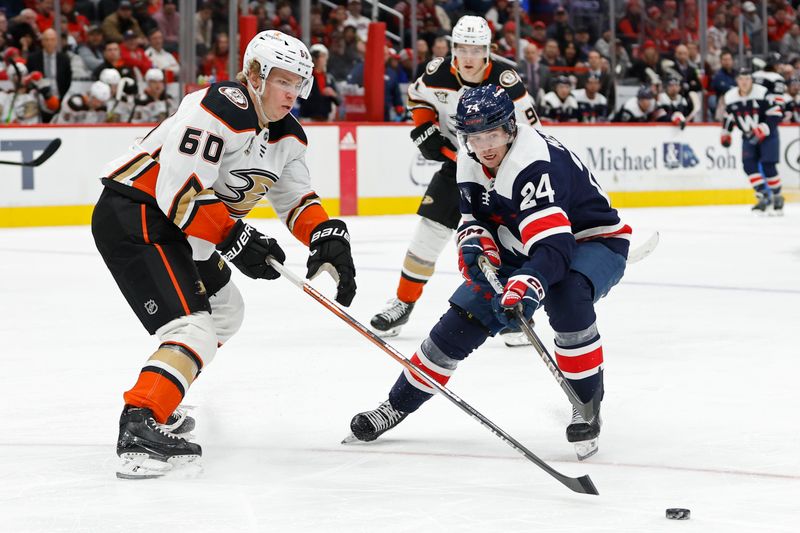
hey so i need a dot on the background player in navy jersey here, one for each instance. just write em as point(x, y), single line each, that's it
point(534, 210)
point(751, 108)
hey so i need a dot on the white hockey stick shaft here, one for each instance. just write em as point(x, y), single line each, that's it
point(583, 484)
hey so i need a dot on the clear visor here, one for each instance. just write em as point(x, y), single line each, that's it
point(486, 140)
point(301, 88)
point(470, 51)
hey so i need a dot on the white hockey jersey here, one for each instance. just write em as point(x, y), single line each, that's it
point(149, 109)
point(438, 90)
point(76, 111)
point(210, 163)
point(20, 108)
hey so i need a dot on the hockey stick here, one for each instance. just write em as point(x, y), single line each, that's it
point(582, 485)
point(48, 151)
point(643, 250)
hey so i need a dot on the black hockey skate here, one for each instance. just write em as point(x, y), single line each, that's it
point(584, 435)
point(763, 203)
point(147, 450)
point(777, 204)
point(391, 319)
point(370, 425)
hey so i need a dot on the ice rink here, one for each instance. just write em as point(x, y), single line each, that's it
point(701, 367)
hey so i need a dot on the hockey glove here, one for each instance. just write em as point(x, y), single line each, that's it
point(475, 242)
point(522, 291)
point(329, 251)
point(430, 141)
point(678, 119)
point(725, 139)
point(759, 133)
point(248, 249)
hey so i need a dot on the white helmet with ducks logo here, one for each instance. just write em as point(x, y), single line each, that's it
point(472, 30)
point(272, 49)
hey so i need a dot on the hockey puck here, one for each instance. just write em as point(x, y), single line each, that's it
point(678, 514)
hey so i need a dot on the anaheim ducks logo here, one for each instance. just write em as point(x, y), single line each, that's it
point(509, 78)
point(244, 189)
point(434, 65)
point(235, 95)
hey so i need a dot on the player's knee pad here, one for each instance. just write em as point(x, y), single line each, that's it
point(770, 169)
point(195, 332)
point(457, 334)
point(227, 311)
point(750, 166)
point(570, 303)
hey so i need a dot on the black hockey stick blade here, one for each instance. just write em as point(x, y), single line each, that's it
point(582, 485)
point(48, 151)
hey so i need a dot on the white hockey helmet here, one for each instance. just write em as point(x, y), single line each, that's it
point(272, 49)
point(14, 68)
point(154, 74)
point(110, 76)
point(472, 30)
point(101, 91)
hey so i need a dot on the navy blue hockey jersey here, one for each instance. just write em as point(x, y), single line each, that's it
point(746, 112)
point(542, 201)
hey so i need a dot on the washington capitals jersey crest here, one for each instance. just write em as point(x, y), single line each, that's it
point(542, 201)
point(440, 88)
point(591, 109)
point(746, 112)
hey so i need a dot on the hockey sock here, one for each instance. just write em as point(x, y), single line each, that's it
point(771, 175)
point(579, 356)
point(757, 182)
point(164, 380)
point(451, 340)
point(426, 245)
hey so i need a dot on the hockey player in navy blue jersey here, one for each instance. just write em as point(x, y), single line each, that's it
point(537, 214)
point(752, 109)
point(672, 105)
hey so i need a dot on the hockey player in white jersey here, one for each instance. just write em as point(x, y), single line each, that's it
point(154, 104)
point(592, 106)
point(168, 223)
point(89, 108)
point(672, 106)
point(432, 100)
point(640, 108)
point(30, 96)
point(559, 105)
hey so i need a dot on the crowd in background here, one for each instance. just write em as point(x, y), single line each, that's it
point(124, 53)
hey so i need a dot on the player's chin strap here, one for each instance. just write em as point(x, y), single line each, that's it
point(262, 116)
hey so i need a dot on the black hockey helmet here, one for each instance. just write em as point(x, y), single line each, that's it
point(644, 93)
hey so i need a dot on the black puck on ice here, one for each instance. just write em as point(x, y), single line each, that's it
point(678, 514)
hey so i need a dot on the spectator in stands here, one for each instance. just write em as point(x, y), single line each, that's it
point(539, 34)
point(92, 50)
point(319, 32)
point(284, 18)
point(142, 16)
point(131, 55)
point(262, 18)
point(44, 14)
point(203, 26)
point(597, 69)
point(559, 27)
point(336, 19)
point(571, 56)
point(111, 59)
point(640, 108)
point(425, 53)
point(406, 64)
point(777, 26)
point(534, 73)
point(169, 22)
point(630, 26)
point(322, 102)
point(216, 61)
point(507, 45)
point(351, 42)
point(753, 26)
point(688, 74)
point(790, 44)
point(648, 68)
point(158, 56)
point(429, 25)
point(723, 80)
point(77, 25)
point(78, 67)
point(603, 44)
point(552, 54)
point(24, 32)
point(5, 37)
point(498, 15)
point(116, 24)
point(717, 33)
point(54, 65)
point(582, 41)
point(357, 19)
point(441, 47)
point(339, 64)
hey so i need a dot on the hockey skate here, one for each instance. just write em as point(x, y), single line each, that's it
point(148, 451)
point(763, 203)
point(777, 205)
point(514, 337)
point(391, 319)
point(370, 425)
point(584, 435)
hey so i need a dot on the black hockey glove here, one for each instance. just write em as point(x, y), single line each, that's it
point(248, 249)
point(430, 141)
point(329, 251)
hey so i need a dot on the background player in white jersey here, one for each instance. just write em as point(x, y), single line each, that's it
point(154, 104)
point(534, 211)
point(88, 108)
point(592, 106)
point(672, 106)
point(757, 113)
point(559, 105)
point(432, 100)
point(30, 96)
point(171, 211)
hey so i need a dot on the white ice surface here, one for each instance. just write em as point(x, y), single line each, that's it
point(702, 363)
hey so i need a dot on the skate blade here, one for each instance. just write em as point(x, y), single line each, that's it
point(515, 339)
point(391, 332)
point(350, 439)
point(585, 449)
point(142, 466)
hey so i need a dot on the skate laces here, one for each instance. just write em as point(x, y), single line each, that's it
point(394, 309)
point(179, 415)
point(158, 427)
point(384, 417)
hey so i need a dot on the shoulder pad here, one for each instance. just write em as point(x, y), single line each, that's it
point(509, 80)
point(287, 127)
point(229, 102)
point(438, 75)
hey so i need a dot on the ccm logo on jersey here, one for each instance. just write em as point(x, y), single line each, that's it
point(235, 95)
point(327, 232)
point(240, 243)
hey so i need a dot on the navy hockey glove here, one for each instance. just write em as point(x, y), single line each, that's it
point(430, 141)
point(248, 249)
point(475, 242)
point(329, 251)
point(522, 291)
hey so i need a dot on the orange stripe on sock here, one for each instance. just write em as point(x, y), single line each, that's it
point(155, 392)
point(409, 291)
